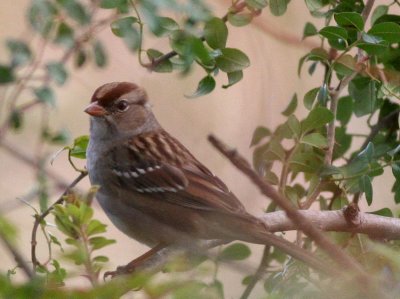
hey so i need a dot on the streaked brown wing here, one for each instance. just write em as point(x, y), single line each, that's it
point(158, 165)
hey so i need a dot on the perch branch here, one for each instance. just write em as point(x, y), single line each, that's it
point(370, 224)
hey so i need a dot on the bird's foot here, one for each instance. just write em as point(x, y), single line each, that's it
point(121, 270)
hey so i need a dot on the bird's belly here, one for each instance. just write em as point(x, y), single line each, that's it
point(134, 223)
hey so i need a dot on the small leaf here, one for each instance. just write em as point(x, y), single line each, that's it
point(353, 19)
point(309, 30)
point(256, 4)
point(365, 186)
point(309, 98)
point(278, 7)
point(386, 212)
point(259, 134)
point(388, 31)
point(232, 60)
point(99, 54)
point(363, 91)
point(46, 95)
point(333, 33)
point(291, 107)
point(16, 120)
point(216, 33)
point(344, 110)
point(239, 20)
point(20, 52)
point(316, 140)
point(64, 35)
point(379, 11)
point(165, 26)
point(235, 252)
point(100, 242)
point(101, 259)
point(317, 118)
point(368, 152)
point(6, 74)
point(396, 170)
point(233, 78)
point(323, 94)
point(206, 85)
point(79, 147)
point(57, 72)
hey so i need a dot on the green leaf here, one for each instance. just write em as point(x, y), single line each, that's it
point(46, 95)
point(166, 25)
point(95, 227)
point(388, 31)
point(76, 11)
point(100, 56)
point(20, 52)
point(80, 58)
point(307, 162)
point(314, 5)
point(345, 65)
point(309, 30)
point(294, 126)
point(318, 54)
point(235, 252)
point(239, 20)
point(379, 11)
point(125, 28)
point(100, 242)
point(323, 94)
point(344, 110)
point(101, 259)
point(278, 7)
point(259, 134)
point(6, 74)
point(317, 118)
point(363, 91)
point(316, 140)
point(364, 183)
point(352, 19)
point(216, 33)
point(64, 35)
point(42, 16)
point(78, 150)
point(396, 170)
point(333, 33)
point(368, 152)
point(163, 67)
point(291, 107)
point(57, 72)
point(233, 78)
point(386, 212)
point(232, 60)
point(309, 98)
point(256, 4)
point(206, 85)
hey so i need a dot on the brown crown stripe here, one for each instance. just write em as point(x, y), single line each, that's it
point(109, 92)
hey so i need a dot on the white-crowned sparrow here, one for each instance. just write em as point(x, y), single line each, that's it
point(152, 188)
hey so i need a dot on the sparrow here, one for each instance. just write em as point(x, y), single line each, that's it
point(153, 189)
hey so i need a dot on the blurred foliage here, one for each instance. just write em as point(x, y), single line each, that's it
point(360, 59)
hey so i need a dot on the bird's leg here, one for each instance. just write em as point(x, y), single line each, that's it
point(131, 266)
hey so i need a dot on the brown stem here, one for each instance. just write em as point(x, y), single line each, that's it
point(17, 256)
point(40, 218)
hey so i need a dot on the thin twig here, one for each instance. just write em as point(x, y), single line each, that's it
point(17, 256)
point(258, 274)
point(39, 219)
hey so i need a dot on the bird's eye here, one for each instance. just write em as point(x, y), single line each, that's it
point(122, 105)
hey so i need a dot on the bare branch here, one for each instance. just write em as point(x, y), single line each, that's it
point(370, 224)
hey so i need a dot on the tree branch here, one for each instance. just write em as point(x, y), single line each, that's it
point(370, 224)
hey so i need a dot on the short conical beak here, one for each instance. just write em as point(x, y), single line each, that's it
point(94, 109)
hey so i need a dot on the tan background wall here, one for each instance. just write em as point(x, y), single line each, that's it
point(232, 114)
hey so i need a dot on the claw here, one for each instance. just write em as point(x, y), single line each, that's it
point(121, 270)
